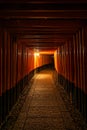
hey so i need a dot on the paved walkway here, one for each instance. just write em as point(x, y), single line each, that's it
point(44, 107)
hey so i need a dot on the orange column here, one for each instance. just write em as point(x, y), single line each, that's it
point(56, 60)
point(85, 59)
point(13, 60)
point(75, 60)
point(71, 60)
point(30, 60)
point(19, 59)
point(8, 62)
point(0, 64)
point(4, 66)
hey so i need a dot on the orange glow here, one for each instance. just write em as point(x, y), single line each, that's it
point(47, 52)
point(36, 54)
point(41, 59)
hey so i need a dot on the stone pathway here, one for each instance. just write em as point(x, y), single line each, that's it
point(44, 107)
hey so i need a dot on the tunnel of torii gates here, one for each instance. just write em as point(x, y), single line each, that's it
point(34, 34)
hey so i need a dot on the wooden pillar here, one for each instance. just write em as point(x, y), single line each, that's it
point(75, 71)
point(8, 62)
point(81, 70)
point(78, 70)
point(0, 64)
point(4, 61)
point(4, 74)
point(0, 77)
point(84, 34)
point(13, 71)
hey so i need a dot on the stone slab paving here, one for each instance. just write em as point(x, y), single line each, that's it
point(45, 106)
